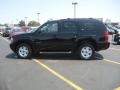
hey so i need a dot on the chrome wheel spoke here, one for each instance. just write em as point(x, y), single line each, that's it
point(86, 52)
point(23, 51)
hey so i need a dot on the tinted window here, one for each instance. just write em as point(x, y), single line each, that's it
point(88, 26)
point(50, 27)
point(100, 26)
point(68, 26)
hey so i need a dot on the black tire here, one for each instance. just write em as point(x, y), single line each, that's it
point(86, 51)
point(21, 54)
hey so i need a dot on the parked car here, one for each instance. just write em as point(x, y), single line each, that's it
point(2, 29)
point(25, 28)
point(6, 32)
point(117, 37)
point(117, 26)
point(1, 32)
point(80, 36)
point(16, 31)
point(111, 29)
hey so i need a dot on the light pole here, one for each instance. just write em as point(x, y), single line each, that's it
point(74, 4)
point(26, 21)
point(38, 14)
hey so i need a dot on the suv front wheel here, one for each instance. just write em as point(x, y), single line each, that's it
point(24, 51)
point(86, 51)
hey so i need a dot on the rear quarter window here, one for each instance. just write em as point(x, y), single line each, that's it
point(86, 25)
point(101, 26)
point(92, 26)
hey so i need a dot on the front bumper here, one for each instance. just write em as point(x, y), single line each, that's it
point(12, 46)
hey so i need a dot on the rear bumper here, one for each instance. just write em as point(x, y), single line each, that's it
point(103, 46)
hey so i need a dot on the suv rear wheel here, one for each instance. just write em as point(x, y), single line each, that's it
point(86, 51)
point(24, 51)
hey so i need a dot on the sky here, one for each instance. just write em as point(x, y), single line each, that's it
point(12, 11)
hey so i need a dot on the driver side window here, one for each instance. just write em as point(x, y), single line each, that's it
point(50, 27)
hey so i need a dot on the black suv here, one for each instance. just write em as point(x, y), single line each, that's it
point(80, 36)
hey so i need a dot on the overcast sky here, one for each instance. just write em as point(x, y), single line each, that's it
point(12, 11)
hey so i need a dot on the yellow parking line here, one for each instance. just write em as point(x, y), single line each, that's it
point(59, 76)
point(111, 61)
point(107, 60)
point(118, 88)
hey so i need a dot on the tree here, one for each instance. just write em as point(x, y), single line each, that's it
point(21, 23)
point(33, 23)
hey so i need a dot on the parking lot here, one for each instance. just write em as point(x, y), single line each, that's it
point(53, 71)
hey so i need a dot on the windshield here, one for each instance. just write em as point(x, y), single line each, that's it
point(31, 30)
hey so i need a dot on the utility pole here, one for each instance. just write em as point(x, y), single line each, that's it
point(74, 4)
point(38, 17)
point(26, 21)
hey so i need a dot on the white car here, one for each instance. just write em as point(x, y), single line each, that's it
point(1, 32)
point(2, 29)
point(117, 37)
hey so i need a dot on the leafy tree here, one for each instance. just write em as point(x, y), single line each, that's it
point(33, 23)
point(21, 23)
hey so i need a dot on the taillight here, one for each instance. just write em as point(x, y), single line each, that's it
point(106, 36)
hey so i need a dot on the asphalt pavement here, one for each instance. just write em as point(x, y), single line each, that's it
point(54, 71)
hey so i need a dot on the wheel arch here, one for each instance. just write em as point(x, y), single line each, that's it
point(23, 41)
point(87, 40)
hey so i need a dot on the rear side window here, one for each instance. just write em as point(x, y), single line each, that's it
point(68, 26)
point(88, 26)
